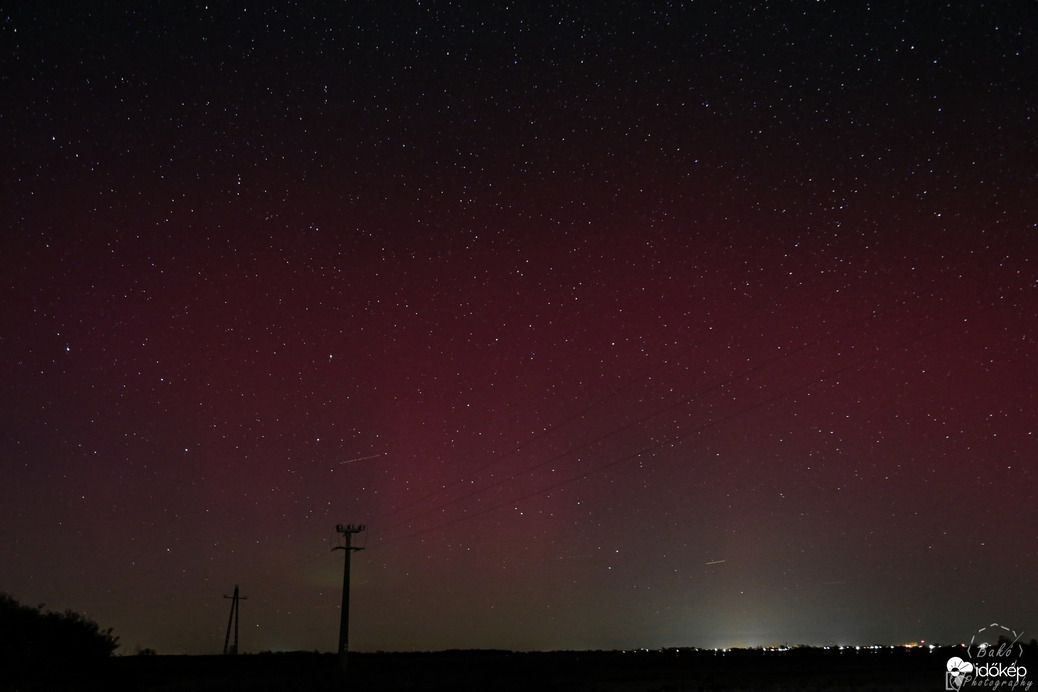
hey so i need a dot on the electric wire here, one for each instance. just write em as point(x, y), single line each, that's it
point(787, 353)
point(698, 429)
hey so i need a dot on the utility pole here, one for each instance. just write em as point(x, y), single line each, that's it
point(344, 613)
point(227, 650)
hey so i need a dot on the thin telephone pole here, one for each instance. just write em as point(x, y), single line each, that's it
point(233, 617)
point(344, 613)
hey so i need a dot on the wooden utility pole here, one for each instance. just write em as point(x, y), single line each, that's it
point(344, 613)
point(227, 649)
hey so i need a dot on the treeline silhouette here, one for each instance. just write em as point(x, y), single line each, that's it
point(35, 642)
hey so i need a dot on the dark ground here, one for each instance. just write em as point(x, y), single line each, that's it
point(498, 671)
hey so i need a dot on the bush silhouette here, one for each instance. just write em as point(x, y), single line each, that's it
point(33, 640)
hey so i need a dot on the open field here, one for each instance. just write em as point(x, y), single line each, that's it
point(499, 671)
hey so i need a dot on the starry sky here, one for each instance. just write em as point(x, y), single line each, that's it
point(616, 324)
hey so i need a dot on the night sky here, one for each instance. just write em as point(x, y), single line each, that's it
point(617, 324)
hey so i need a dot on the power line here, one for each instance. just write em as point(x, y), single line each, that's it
point(344, 613)
point(496, 459)
point(639, 421)
point(698, 429)
point(232, 650)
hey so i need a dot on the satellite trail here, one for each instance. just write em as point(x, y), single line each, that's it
point(370, 456)
point(716, 562)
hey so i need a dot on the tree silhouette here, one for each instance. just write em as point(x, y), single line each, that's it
point(34, 640)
